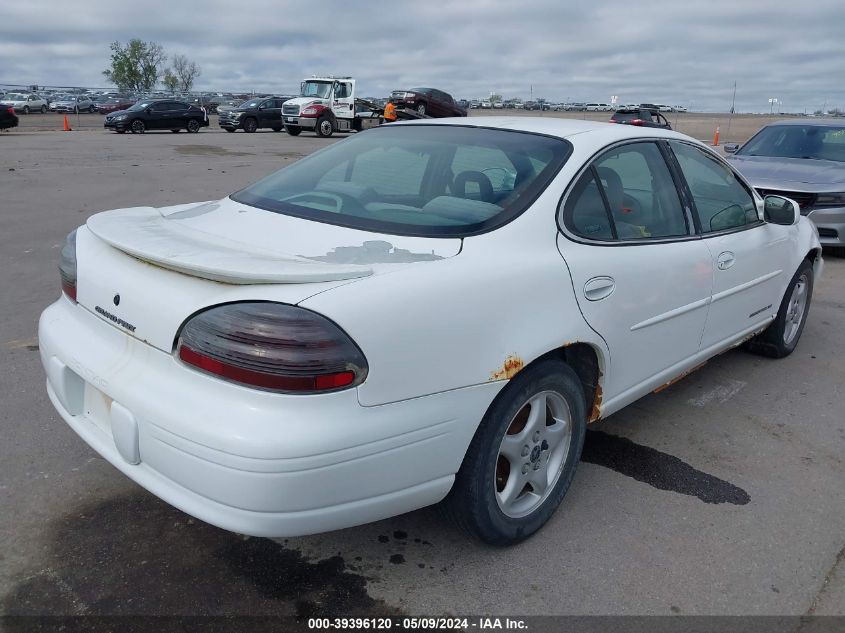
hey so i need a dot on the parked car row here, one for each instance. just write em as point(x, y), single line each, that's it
point(542, 104)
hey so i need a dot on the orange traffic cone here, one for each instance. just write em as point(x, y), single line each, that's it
point(67, 125)
point(716, 137)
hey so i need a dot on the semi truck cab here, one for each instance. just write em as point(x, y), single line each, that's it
point(326, 105)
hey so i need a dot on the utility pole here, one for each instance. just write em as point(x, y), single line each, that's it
point(731, 116)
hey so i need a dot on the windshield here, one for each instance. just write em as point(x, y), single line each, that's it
point(141, 105)
point(250, 104)
point(425, 180)
point(15, 96)
point(319, 89)
point(819, 142)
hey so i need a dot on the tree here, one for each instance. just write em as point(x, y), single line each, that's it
point(170, 81)
point(185, 71)
point(136, 66)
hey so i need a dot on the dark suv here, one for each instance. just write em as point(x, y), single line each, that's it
point(253, 114)
point(645, 117)
point(157, 114)
point(434, 103)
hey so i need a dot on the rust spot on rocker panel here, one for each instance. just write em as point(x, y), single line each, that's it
point(679, 377)
point(510, 368)
point(595, 412)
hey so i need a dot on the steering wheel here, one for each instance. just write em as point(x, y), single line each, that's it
point(341, 201)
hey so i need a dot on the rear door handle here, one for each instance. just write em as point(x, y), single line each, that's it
point(725, 260)
point(599, 288)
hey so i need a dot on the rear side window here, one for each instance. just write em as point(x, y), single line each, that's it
point(427, 180)
point(637, 193)
point(721, 200)
point(586, 213)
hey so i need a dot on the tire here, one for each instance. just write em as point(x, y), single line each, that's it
point(91, 109)
point(26, 109)
point(228, 129)
point(781, 337)
point(420, 108)
point(293, 131)
point(43, 109)
point(491, 499)
point(138, 126)
point(176, 131)
point(121, 131)
point(75, 110)
point(277, 129)
point(324, 127)
point(250, 125)
point(193, 126)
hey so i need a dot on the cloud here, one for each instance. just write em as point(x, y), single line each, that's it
point(661, 51)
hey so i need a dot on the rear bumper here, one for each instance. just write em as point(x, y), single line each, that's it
point(248, 461)
point(831, 225)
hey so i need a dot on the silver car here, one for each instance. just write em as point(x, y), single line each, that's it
point(73, 103)
point(803, 160)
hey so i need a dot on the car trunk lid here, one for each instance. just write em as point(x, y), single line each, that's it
point(146, 270)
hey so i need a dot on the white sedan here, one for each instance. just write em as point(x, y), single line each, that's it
point(421, 313)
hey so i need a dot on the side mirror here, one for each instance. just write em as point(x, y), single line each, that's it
point(731, 148)
point(779, 210)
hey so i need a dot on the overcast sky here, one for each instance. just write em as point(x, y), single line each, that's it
point(676, 52)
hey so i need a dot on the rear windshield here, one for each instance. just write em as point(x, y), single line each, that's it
point(817, 142)
point(424, 180)
point(625, 116)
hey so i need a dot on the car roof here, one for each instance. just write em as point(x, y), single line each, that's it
point(561, 128)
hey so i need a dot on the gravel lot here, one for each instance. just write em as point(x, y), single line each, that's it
point(737, 128)
point(723, 494)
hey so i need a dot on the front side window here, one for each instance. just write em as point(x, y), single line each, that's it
point(432, 181)
point(637, 194)
point(721, 200)
point(343, 91)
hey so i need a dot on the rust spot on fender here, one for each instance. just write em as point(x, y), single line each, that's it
point(595, 413)
point(679, 377)
point(511, 367)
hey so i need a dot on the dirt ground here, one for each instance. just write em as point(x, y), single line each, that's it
point(737, 128)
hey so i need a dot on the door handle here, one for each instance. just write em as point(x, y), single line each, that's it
point(725, 260)
point(599, 288)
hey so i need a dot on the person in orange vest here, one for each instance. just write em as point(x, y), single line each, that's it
point(389, 112)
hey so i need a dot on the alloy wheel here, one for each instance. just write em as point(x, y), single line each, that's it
point(796, 309)
point(532, 454)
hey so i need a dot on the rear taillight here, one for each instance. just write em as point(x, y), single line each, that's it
point(67, 266)
point(637, 122)
point(272, 346)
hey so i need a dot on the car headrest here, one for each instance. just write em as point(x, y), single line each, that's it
point(462, 209)
point(485, 187)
